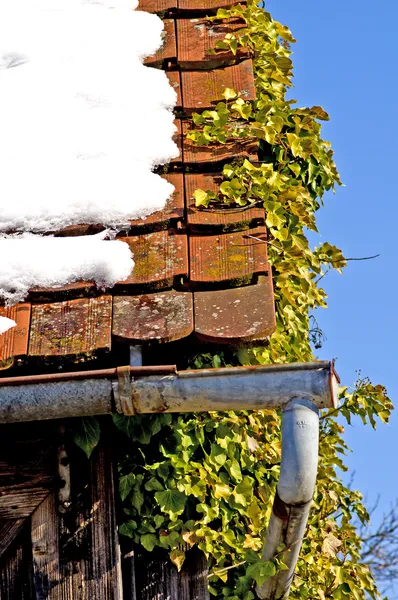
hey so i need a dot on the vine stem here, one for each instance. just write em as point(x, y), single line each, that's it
point(239, 564)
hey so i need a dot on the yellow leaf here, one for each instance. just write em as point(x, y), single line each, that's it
point(177, 557)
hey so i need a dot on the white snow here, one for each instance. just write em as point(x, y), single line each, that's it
point(46, 261)
point(83, 123)
point(6, 324)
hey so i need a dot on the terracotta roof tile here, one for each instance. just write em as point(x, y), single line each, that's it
point(197, 272)
point(230, 258)
point(72, 327)
point(174, 209)
point(235, 315)
point(175, 82)
point(168, 51)
point(15, 341)
point(204, 89)
point(222, 218)
point(165, 316)
point(203, 6)
point(158, 6)
point(197, 37)
point(193, 153)
point(159, 258)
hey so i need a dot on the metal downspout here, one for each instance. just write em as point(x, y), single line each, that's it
point(300, 442)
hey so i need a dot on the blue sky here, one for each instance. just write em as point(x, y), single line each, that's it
point(346, 60)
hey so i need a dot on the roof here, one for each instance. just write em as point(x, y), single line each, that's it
point(201, 273)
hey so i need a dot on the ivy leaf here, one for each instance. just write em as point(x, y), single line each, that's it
point(261, 570)
point(177, 557)
point(87, 434)
point(149, 541)
point(229, 94)
point(171, 501)
point(128, 529)
point(137, 500)
point(126, 483)
point(153, 485)
point(201, 198)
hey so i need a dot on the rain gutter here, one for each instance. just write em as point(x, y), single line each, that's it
point(299, 389)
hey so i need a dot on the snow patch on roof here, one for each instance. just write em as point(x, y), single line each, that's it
point(30, 261)
point(83, 124)
point(6, 324)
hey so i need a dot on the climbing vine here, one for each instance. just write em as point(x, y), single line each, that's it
point(208, 480)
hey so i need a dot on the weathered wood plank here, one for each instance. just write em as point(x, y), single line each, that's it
point(16, 569)
point(8, 532)
point(27, 469)
point(89, 549)
point(45, 550)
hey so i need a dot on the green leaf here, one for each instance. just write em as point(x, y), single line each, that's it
point(126, 483)
point(153, 485)
point(171, 501)
point(128, 528)
point(149, 541)
point(87, 434)
point(261, 570)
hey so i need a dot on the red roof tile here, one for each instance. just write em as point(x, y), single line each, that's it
point(71, 328)
point(222, 218)
point(168, 51)
point(242, 314)
point(174, 209)
point(197, 37)
point(200, 272)
point(230, 258)
point(165, 316)
point(204, 89)
point(159, 258)
point(15, 341)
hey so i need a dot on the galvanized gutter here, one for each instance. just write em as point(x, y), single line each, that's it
point(142, 390)
point(300, 390)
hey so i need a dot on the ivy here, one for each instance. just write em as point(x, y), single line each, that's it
point(209, 480)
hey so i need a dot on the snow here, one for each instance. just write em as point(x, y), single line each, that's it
point(83, 122)
point(46, 261)
point(6, 324)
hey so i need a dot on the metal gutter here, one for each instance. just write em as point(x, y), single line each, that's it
point(140, 390)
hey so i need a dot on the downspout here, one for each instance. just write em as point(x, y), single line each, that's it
point(300, 440)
